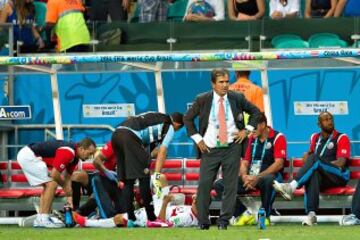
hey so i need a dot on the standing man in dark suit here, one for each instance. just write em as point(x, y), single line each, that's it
point(221, 132)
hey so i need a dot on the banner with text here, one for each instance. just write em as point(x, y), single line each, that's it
point(108, 110)
point(15, 112)
point(316, 107)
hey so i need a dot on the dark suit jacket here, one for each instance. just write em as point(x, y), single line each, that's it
point(202, 108)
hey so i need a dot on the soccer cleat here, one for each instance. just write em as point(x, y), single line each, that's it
point(284, 189)
point(134, 224)
point(45, 223)
point(232, 220)
point(59, 215)
point(245, 219)
point(130, 224)
point(57, 221)
point(310, 219)
point(349, 220)
point(267, 222)
point(81, 220)
point(252, 220)
point(158, 223)
point(240, 221)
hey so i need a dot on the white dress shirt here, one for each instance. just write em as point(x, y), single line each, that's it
point(212, 131)
point(291, 7)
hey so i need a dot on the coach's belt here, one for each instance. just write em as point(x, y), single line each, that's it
point(224, 147)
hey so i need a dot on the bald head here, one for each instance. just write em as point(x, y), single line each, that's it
point(326, 122)
point(323, 115)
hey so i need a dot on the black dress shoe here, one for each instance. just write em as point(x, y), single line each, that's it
point(203, 227)
point(222, 227)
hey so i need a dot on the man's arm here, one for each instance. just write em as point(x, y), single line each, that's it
point(154, 152)
point(245, 164)
point(342, 151)
point(99, 165)
point(56, 176)
point(251, 109)
point(340, 162)
point(162, 152)
point(64, 157)
point(280, 148)
point(274, 168)
point(162, 214)
point(65, 183)
point(189, 118)
point(160, 158)
point(99, 162)
point(305, 156)
point(244, 167)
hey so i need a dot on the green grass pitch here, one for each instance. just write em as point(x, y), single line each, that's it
point(279, 231)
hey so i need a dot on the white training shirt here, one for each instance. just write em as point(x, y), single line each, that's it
point(291, 7)
point(181, 216)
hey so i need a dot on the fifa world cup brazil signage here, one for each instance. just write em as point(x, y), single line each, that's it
point(15, 112)
point(108, 110)
point(316, 107)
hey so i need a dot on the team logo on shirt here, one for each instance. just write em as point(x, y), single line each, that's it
point(330, 145)
point(62, 166)
point(343, 151)
point(268, 145)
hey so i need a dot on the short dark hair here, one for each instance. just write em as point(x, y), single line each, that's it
point(177, 117)
point(242, 73)
point(218, 72)
point(261, 118)
point(86, 143)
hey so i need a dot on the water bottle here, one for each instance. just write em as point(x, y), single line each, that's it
point(68, 217)
point(261, 219)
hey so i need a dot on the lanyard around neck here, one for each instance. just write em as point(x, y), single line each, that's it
point(324, 147)
point(254, 150)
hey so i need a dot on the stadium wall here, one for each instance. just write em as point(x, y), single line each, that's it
point(286, 86)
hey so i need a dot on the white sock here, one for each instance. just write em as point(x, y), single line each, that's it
point(44, 216)
point(165, 191)
point(294, 184)
point(312, 213)
point(247, 212)
point(102, 223)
